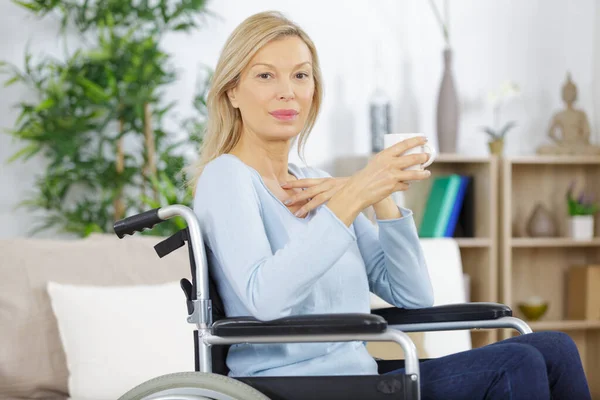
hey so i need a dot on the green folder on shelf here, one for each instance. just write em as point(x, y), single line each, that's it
point(438, 209)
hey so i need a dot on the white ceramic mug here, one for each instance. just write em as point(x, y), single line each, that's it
point(391, 139)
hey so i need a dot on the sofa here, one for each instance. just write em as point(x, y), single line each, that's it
point(51, 344)
point(33, 363)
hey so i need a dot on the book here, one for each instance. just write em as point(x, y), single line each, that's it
point(439, 206)
point(457, 207)
point(465, 226)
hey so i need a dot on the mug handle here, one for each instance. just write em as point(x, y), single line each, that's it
point(432, 154)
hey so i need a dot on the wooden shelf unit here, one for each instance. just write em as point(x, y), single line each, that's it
point(505, 265)
point(553, 242)
point(564, 325)
point(531, 266)
point(479, 253)
point(473, 242)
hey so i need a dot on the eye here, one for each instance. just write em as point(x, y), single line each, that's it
point(264, 75)
point(301, 75)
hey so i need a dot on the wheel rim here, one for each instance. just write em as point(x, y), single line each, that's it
point(189, 394)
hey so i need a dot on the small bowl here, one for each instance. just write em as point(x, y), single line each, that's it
point(533, 312)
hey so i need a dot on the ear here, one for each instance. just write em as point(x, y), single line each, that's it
point(231, 94)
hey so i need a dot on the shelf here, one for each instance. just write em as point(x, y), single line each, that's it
point(566, 325)
point(440, 158)
point(553, 242)
point(461, 158)
point(557, 160)
point(473, 242)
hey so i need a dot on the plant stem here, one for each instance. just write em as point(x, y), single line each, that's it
point(447, 20)
point(442, 23)
point(120, 167)
point(496, 111)
point(150, 167)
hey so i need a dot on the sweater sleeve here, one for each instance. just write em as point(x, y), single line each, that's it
point(394, 261)
point(270, 283)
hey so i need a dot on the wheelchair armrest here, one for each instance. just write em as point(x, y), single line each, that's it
point(445, 313)
point(319, 324)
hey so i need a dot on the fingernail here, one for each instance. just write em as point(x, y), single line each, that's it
point(288, 202)
point(298, 213)
point(428, 173)
point(284, 184)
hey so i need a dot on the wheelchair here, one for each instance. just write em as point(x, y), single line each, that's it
point(215, 333)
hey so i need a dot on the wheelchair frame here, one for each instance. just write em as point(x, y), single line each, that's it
point(200, 307)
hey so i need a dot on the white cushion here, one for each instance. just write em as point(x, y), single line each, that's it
point(444, 263)
point(116, 337)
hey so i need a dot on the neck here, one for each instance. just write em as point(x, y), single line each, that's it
point(268, 157)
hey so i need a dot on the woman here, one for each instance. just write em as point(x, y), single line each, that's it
point(286, 240)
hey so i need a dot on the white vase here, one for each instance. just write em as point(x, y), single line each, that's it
point(581, 227)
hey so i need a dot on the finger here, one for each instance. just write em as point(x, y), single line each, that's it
point(311, 192)
point(413, 175)
point(410, 160)
point(314, 203)
point(400, 147)
point(401, 186)
point(305, 195)
point(303, 183)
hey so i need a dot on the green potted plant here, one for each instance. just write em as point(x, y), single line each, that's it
point(581, 209)
point(99, 117)
point(497, 132)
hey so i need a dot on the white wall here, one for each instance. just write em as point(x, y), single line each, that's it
point(533, 42)
point(18, 30)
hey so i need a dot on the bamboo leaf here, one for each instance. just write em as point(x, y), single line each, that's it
point(12, 81)
point(93, 90)
point(98, 55)
point(150, 202)
point(184, 26)
point(30, 6)
point(44, 105)
point(92, 228)
point(26, 152)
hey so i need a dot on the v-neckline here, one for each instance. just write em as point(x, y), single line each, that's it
point(292, 170)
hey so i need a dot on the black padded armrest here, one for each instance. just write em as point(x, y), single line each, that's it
point(445, 313)
point(321, 324)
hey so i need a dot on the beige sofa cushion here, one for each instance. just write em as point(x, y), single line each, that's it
point(32, 360)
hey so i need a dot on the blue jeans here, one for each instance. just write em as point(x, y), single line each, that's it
point(540, 365)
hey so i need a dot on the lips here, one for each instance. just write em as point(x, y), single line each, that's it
point(285, 115)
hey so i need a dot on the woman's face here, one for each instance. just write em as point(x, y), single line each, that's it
point(275, 91)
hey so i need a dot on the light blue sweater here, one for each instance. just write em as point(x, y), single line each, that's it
point(270, 264)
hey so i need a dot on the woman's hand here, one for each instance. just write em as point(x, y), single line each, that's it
point(317, 190)
point(386, 173)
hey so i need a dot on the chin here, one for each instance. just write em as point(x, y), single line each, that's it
point(285, 132)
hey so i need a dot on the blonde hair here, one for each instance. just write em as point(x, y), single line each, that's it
point(224, 122)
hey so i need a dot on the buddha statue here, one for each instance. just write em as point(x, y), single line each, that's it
point(569, 128)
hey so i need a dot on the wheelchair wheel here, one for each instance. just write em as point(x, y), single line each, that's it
point(193, 386)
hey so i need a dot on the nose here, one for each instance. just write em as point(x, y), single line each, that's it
point(286, 91)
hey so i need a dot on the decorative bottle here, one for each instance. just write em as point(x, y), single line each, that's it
point(379, 108)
